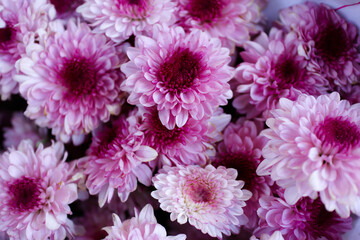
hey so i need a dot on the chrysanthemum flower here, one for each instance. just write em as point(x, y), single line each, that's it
point(314, 147)
point(71, 82)
point(187, 145)
point(143, 226)
point(272, 69)
point(233, 21)
point(116, 159)
point(307, 219)
point(22, 128)
point(35, 192)
point(119, 19)
point(21, 22)
point(183, 75)
point(241, 150)
point(328, 42)
point(210, 198)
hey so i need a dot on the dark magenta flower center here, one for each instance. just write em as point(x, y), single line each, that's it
point(199, 191)
point(135, 2)
point(79, 76)
point(331, 43)
point(338, 132)
point(205, 11)
point(5, 34)
point(319, 223)
point(180, 70)
point(63, 6)
point(243, 163)
point(25, 194)
point(158, 136)
point(109, 141)
point(287, 73)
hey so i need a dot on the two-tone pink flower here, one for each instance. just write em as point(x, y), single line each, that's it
point(182, 75)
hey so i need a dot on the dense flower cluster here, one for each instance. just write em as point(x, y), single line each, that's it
point(179, 119)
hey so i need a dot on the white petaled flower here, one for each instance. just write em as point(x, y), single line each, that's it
point(71, 82)
point(119, 19)
point(210, 198)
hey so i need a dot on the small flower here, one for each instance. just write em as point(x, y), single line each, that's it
point(273, 69)
point(187, 145)
point(328, 42)
point(241, 150)
point(116, 159)
point(183, 75)
point(71, 82)
point(22, 128)
point(21, 22)
point(35, 192)
point(210, 198)
point(307, 219)
point(233, 21)
point(143, 226)
point(314, 147)
point(119, 19)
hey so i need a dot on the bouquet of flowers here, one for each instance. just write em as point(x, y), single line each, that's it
point(179, 119)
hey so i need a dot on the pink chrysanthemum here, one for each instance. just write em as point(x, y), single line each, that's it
point(314, 147)
point(141, 227)
point(116, 159)
point(307, 219)
point(233, 21)
point(327, 41)
point(187, 145)
point(119, 19)
point(183, 75)
point(22, 128)
point(210, 198)
point(35, 192)
point(273, 69)
point(241, 150)
point(71, 82)
point(21, 22)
